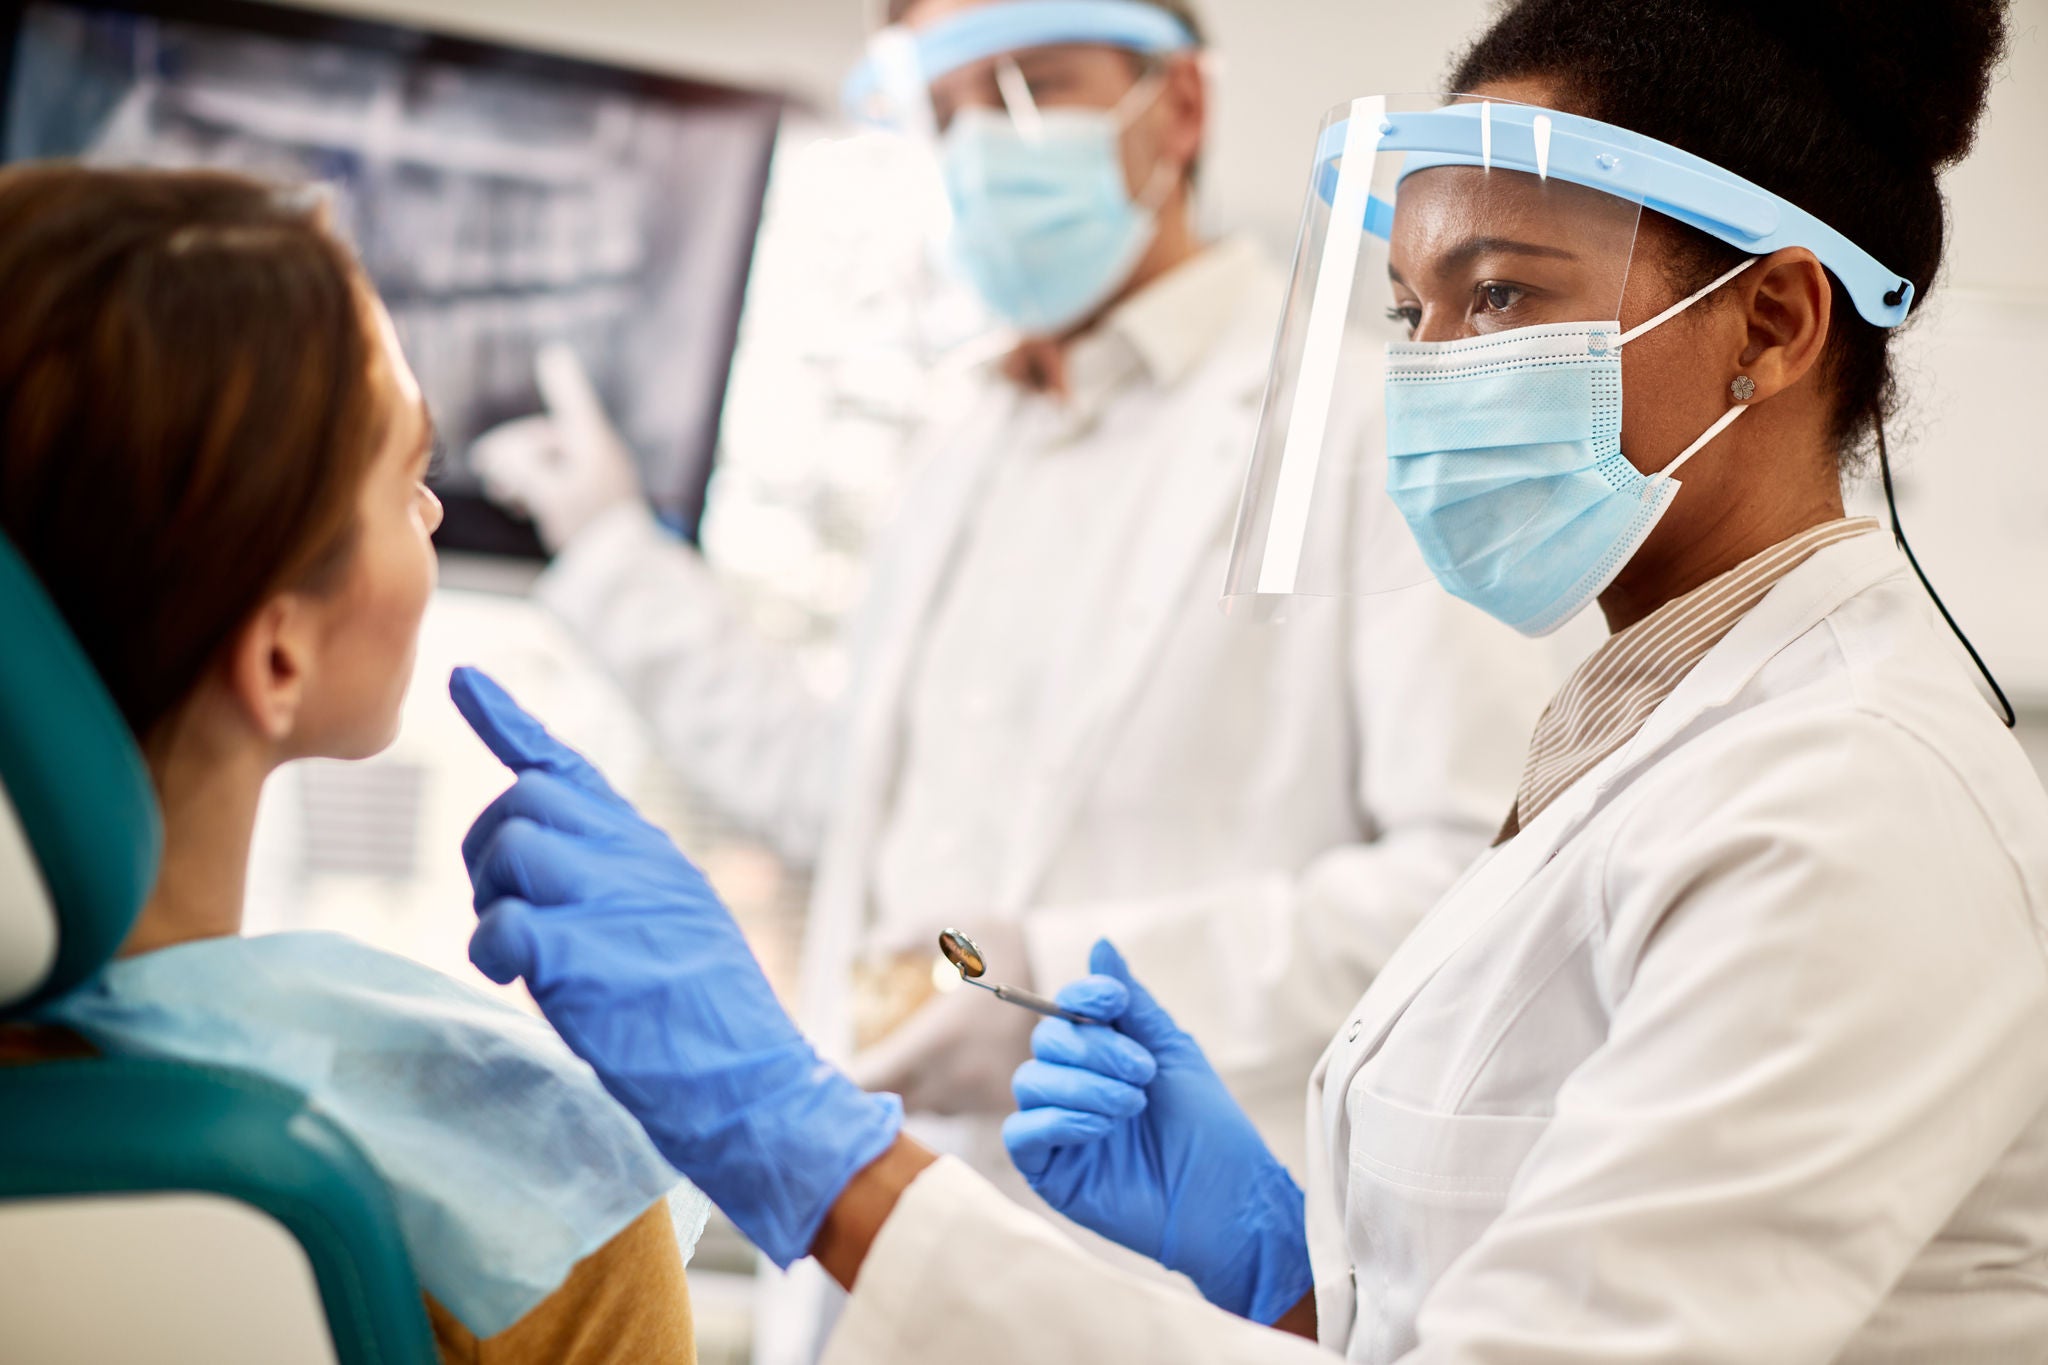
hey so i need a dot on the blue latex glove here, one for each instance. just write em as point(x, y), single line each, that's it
point(1127, 1130)
point(639, 966)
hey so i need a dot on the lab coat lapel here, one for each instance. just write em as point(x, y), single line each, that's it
point(1800, 601)
point(1175, 543)
point(906, 589)
point(941, 513)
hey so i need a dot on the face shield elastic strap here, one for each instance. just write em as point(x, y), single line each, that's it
point(1616, 161)
point(899, 56)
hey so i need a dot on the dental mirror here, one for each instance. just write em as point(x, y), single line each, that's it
point(961, 951)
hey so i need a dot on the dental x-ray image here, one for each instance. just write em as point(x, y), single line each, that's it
point(499, 199)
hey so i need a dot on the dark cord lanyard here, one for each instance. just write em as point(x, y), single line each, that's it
point(1884, 466)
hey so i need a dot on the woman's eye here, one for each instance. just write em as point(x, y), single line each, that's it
point(1408, 315)
point(1498, 298)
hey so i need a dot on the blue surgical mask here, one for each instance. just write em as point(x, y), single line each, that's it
point(1504, 456)
point(1044, 226)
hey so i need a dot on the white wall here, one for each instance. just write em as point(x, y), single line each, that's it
point(2000, 194)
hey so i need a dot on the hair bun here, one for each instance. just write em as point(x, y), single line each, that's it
point(1913, 74)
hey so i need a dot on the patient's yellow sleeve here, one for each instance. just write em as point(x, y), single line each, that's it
point(627, 1301)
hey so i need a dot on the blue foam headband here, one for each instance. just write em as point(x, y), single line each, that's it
point(1584, 151)
point(986, 31)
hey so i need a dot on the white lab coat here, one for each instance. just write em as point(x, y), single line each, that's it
point(1256, 814)
point(1735, 1054)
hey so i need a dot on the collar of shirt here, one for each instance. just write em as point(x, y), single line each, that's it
point(1174, 322)
point(1162, 332)
point(1610, 695)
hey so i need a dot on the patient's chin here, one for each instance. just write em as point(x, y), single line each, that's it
point(386, 732)
point(374, 727)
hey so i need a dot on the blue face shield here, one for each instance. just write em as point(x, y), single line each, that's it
point(1462, 267)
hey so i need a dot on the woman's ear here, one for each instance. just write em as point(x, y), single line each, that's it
point(1788, 303)
point(1184, 102)
point(268, 665)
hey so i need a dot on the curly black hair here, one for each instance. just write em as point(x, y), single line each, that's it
point(1851, 109)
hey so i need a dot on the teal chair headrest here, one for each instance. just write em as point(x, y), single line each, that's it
point(83, 808)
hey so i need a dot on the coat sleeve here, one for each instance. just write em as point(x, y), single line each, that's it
point(1826, 998)
point(1263, 968)
point(959, 1273)
point(733, 713)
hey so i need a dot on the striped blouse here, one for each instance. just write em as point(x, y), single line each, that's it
point(1612, 693)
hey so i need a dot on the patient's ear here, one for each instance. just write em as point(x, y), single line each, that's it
point(269, 663)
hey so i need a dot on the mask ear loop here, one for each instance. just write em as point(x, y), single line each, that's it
point(1131, 104)
point(1721, 424)
point(1688, 301)
point(1127, 111)
point(1726, 419)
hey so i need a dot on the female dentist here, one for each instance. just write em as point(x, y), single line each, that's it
point(1730, 1050)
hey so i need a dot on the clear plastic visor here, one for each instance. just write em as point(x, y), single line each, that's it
point(1450, 334)
point(1023, 87)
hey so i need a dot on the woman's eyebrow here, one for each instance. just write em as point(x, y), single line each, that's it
point(1464, 253)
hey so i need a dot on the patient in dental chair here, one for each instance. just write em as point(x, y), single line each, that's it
point(212, 455)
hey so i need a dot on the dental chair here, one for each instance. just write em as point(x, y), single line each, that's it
point(150, 1210)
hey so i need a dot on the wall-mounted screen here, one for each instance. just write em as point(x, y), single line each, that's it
point(499, 198)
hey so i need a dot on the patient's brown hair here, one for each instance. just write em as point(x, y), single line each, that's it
point(187, 408)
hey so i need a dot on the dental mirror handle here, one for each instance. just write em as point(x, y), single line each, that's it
point(1037, 1004)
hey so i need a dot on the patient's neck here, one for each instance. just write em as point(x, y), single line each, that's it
point(208, 789)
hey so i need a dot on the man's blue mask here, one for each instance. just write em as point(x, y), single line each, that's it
point(1044, 224)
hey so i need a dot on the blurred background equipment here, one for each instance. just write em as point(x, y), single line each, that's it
point(500, 198)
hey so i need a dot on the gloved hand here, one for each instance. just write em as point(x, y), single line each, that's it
point(1125, 1128)
point(956, 1052)
point(641, 969)
point(565, 469)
